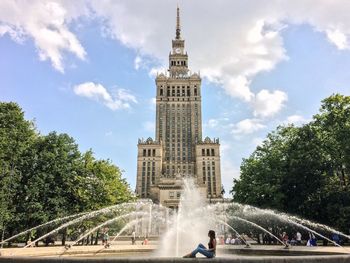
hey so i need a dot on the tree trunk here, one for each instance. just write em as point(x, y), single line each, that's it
point(2, 236)
point(96, 239)
point(343, 177)
point(64, 236)
point(258, 239)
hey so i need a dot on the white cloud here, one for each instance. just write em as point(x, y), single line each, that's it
point(247, 126)
point(250, 42)
point(221, 123)
point(16, 35)
point(338, 38)
point(46, 23)
point(154, 71)
point(137, 62)
point(124, 95)
point(296, 119)
point(268, 103)
point(239, 41)
point(97, 92)
point(239, 87)
point(212, 123)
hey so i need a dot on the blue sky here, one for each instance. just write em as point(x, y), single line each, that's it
point(87, 68)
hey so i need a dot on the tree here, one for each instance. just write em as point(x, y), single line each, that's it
point(50, 179)
point(303, 170)
point(16, 136)
point(101, 184)
point(43, 177)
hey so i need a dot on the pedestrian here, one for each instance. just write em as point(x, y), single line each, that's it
point(298, 238)
point(145, 241)
point(285, 238)
point(335, 238)
point(105, 238)
point(133, 237)
point(312, 242)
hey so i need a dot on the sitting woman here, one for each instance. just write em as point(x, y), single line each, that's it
point(209, 253)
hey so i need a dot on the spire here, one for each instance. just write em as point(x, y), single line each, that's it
point(178, 30)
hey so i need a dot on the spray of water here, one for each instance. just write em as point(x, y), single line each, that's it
point(181, 231)
point(259, 227)
point(108, 222)
point(287, 217)
point(190, 225)
point(55, 221)
point(236, 232)
point(80, 219)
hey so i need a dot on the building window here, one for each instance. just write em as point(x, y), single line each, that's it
point(161, 92)
point(154, 152)
point(171, 195)
point(203, 152)
point(178, 195)
point(144, 152)
point(212, 152)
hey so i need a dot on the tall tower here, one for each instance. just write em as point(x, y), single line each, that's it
point(178, 149)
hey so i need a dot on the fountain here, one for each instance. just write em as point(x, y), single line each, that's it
point(175, 233)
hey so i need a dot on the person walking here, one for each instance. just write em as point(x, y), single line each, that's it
point(105, 238)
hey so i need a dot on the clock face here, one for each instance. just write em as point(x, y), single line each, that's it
point(178, 50)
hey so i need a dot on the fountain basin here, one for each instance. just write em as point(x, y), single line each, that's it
point(240, 259)
point(139, 253)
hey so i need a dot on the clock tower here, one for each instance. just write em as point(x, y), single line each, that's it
point(178, 59)
point(178, 149)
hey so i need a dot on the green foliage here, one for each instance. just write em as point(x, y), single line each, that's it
point(43, 177)
point(16, 137)
point(303, 170)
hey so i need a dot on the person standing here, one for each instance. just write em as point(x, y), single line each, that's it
point(133, 237)
point(298, 238)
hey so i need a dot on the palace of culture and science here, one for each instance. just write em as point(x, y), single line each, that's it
point(179, 149)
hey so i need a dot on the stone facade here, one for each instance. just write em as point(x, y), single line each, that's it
point(178, 149)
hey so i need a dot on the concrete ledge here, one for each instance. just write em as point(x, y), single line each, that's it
point(292, 259)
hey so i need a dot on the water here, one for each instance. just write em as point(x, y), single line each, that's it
point(181, 231)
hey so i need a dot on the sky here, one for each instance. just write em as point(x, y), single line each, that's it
point(87, 68)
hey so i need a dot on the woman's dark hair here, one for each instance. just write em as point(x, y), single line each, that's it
point(211, 234)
